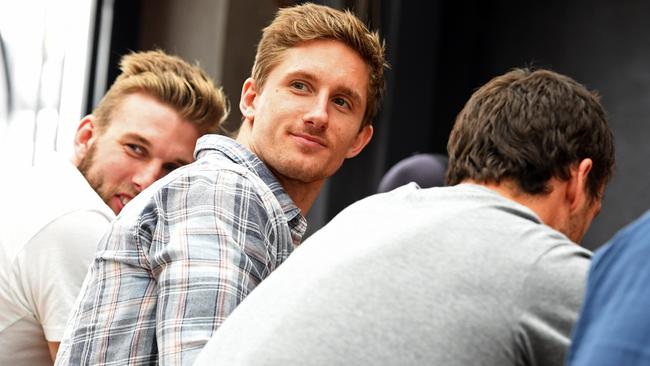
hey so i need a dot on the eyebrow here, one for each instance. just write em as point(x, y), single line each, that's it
point(142, 141)
point(353, 94)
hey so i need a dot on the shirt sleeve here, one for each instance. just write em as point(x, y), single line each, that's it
point(54, 264)
point(550, 301)
point(211, 248)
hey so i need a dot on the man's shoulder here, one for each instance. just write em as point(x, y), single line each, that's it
point(627, 250)
point(208, 183)
point(215, 172)
point(509, 227)
point(631, 240)
point(28, 208)
point(213, 165)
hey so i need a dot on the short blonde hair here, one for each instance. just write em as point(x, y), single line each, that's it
point(295, 25)
point(185, 88)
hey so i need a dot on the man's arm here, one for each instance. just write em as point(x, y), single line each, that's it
point(54, 348)
point(53, 265)
point(219, 243)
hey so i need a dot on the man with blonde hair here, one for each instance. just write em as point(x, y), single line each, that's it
point(181, 257)
point(145, 126)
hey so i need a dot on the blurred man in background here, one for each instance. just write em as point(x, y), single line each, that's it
point(53, 215)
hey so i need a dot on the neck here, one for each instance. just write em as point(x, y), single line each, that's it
point(549, 207)
point(301, 193)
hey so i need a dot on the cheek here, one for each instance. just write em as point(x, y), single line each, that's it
point(116, 167)
point(120, 176)
point(348, 137)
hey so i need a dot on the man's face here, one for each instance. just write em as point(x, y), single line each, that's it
point(306, 120)
point(143, 142)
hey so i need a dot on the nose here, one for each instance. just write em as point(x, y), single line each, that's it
point(317, 115)
point(146, 175)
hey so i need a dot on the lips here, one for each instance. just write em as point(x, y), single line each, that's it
point(310, 140)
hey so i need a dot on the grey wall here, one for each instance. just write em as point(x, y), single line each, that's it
point(608, 48)
point(603, 44)
point(220, 34)
point(193, 29)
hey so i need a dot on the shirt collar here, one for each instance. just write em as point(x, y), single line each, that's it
point(244, 157)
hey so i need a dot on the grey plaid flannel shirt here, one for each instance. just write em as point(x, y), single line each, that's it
point(179, 258)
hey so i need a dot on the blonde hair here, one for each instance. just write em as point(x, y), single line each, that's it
point(295, 25)
point(185, 88)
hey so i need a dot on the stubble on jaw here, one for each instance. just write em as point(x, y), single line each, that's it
point(85, 166)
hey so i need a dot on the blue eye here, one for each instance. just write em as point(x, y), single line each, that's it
point(341, 102)
point(136, 149)
point(299, 85)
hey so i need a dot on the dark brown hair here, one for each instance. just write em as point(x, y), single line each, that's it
point(529, 126)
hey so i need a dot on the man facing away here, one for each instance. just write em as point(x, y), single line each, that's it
point(53, 216)
point(187, 251)
point(484, 272)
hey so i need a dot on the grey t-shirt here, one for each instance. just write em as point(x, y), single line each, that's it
point(440, 276)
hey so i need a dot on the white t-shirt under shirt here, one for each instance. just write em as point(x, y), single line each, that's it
point(50, 223)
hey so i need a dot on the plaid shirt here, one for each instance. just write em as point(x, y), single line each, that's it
point(179, 258)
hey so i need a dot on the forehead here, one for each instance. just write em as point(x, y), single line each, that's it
point(328, 61)
point(142, 113)
point(144, 120)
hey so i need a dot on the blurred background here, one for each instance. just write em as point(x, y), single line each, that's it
point(57, 58)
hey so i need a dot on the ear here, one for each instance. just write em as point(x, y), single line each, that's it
point(577, 192)
point(84, 138)
point(360, 141)
point(247, 100)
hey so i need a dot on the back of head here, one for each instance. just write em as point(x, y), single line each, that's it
point(528, 127)
point(308, 22)
point(172, 81)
